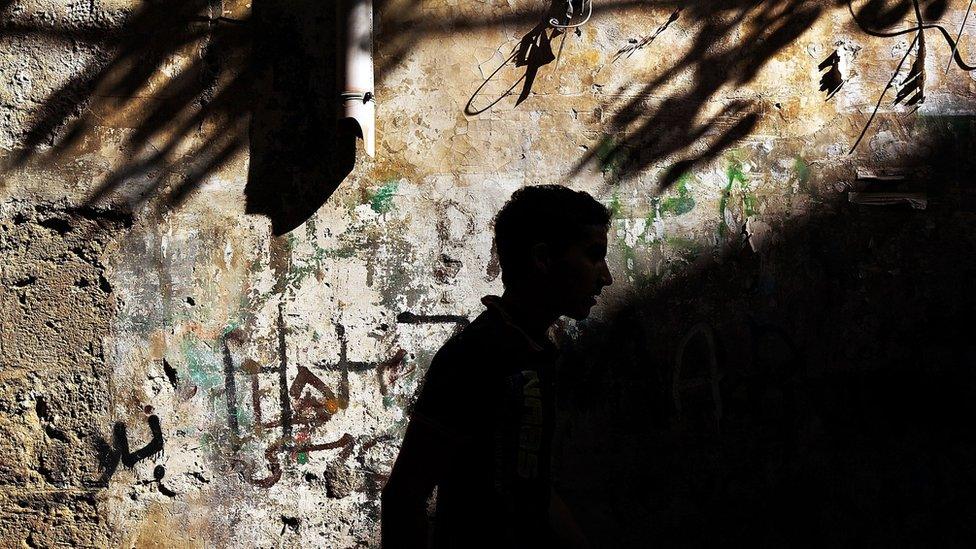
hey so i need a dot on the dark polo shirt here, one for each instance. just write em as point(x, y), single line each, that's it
point(490, 391)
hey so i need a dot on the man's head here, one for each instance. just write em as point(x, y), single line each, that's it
point(552, 245)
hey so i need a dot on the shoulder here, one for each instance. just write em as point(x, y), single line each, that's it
point(488, 343)
point(460, 380)
point(474, 356)
point(459, 354)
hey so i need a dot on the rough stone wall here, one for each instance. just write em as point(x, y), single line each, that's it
point(214, 321)
point(57, 308)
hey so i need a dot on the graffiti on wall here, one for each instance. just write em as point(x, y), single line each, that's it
point(305, 402)
point(704, 390)
point(119, 451)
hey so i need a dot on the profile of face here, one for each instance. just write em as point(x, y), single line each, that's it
point(577, 274)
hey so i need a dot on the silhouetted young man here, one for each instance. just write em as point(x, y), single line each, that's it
point(482, 426)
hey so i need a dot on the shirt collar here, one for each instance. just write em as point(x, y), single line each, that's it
point(494, 303)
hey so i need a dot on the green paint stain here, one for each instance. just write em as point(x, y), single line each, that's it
point(683, 202)
point(641, 278)
point(302, 458)
point(735, 175)
point(749, 203)
point(244, 417)
point(310, 228)
point(734, 172)
point(615, 205)
point(610, 156)
point(685, 246)
point(230, 327)
point(649, 220)
point(382, 200)
point(604, 150)
point(256, 266)
point(203, 365)
point(802, 170)
point(301, 268)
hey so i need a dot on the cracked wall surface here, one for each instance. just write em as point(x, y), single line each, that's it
point(214, 323)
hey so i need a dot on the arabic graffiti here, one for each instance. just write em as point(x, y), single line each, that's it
point(119, 451)
point(306, 401)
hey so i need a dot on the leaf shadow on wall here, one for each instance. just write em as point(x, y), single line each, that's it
point(189, 90)
point(732, 41)
point(181, 90)
point(533, 51)
point(267, 83)
point(177, 130)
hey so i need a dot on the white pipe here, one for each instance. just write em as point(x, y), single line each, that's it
point(355, 21)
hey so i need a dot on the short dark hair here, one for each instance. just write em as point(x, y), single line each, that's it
point(550, 214)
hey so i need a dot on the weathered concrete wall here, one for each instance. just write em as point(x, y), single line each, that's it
point(213, 322)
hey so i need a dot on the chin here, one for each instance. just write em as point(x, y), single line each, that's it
point(581, 313)
point(578, 309)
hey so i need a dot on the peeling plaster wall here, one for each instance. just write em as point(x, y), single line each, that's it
point(177, 374)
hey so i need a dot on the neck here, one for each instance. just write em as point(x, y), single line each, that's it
point(527, 313)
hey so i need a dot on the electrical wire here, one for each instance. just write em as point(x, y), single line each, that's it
point(958, 36)
point(554, 23)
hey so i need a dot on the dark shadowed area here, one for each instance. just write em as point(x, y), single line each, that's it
point(818, 392)
point(300, 153)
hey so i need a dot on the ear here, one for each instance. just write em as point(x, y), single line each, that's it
point(541, 257)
